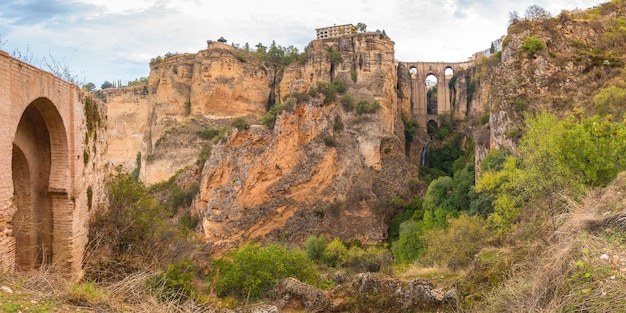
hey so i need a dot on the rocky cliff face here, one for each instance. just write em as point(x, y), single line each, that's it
point(581, 54)
point(158, 121)
point(322, 169)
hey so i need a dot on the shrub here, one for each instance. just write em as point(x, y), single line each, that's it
point(407, 211)
point(89, 197)
point(353, 75)
point(364, 107)
point(347, 103)
point(372, 259)
point(181, 198)
point(340, 87)
point(456, 245)
point(328, 90)
point(203, 155)
point(484, 119)
point(335, 57)
point(134, 219)
point(338, 124)
point(610, 100)
point(240, 123)
point(335, 253)
point(252, 271)
point(513, 133)
point(209, 134)
point(188, 221)
point(328, 139)
point(175, 284)
point(533, 44)
point(269, 118)
point(315, 247)
point(452, 82)
point(410, 129)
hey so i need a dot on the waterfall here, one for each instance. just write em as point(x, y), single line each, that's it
point(424, 151)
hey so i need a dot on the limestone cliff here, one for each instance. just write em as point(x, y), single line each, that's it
point(582, 53)
point(185, 93)
point(322, 169)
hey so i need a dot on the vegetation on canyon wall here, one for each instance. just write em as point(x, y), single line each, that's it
point(551, 203)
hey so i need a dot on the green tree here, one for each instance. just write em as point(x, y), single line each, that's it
point(535, 12)
point(315, 247)
point(107, 84)
point(592, 148)
point(361, 27)
point(135, 223)
point(610, 100)
point(252, 271)
point(410, 244)
point(89, 86)
point(554, 156)
point(335, 253)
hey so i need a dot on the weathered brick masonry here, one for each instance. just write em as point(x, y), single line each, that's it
point(44, 174)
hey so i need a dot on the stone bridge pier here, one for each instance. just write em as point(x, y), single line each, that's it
point(46, 184)
point(434, 77)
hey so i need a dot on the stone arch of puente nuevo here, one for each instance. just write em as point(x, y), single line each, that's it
point(49, 158)
point(427, 107)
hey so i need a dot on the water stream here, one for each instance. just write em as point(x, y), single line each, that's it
point(424, 151)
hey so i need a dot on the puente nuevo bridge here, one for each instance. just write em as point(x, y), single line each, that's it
point(46, 184)
point(425, 109)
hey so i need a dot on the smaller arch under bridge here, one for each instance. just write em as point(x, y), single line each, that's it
point(44, 179)
point(431, 95)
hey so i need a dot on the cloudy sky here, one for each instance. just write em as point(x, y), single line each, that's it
point(115, 39)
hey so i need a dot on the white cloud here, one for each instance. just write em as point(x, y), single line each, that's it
point(115, 39)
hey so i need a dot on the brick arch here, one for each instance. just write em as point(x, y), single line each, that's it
point(40, 173)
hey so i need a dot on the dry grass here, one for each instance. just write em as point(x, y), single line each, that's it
point(45, 291)
point(568, 273)
point(440, 276)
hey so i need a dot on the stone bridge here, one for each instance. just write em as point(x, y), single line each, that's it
point(47, 185)
point(428, 107)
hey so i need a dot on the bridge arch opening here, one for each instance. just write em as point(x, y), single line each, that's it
point(413, 72)
point(448, 72)
point(431, 94)
point(432, 127)
point(40, 172)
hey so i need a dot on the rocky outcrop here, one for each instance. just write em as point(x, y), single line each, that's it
point(376, 292)
point(578, 59)
point(322, 169)
point(367, 69)
point(366, 292)
point(297, 294)
point(185, 93)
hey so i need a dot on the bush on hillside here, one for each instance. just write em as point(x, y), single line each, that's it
point(533, 44)
point(240, 123)
point(252, 271)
